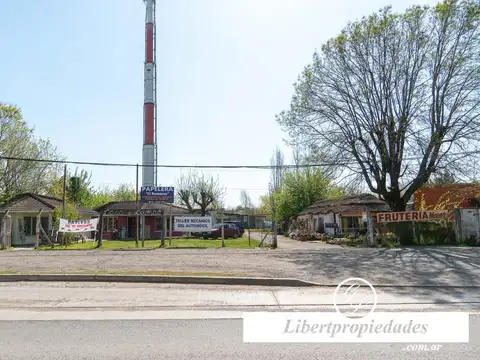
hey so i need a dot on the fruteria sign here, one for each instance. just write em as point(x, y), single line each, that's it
point(192, 223)
point(411, 216)
point(153, 194)
point(78, 226)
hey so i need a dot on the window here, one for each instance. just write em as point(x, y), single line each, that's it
point(351, 223)
point(30, 225)
point(110, 223)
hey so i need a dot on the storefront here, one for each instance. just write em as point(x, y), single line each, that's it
point(20, 215)
point(119, 220)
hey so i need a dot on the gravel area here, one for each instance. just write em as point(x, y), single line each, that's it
point(327, 265)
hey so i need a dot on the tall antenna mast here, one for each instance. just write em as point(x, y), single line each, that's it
point(149, 151)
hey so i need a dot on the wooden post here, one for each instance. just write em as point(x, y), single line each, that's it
point(143, 231)
point(100, 231)
point(171, 227)
point(136, 214)
point(4, 240)
point(413, 231)
point(223, 233)
point(478, 223)
point(164, 227)
point(37, 230)
point(371, 239)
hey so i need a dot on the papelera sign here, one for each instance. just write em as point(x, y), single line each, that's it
point(411, 216)
point(153, 194)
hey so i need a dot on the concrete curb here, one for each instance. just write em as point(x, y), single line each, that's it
point(199, 280)
point(166, 279)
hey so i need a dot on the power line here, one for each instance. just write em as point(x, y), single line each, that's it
point(261, 167)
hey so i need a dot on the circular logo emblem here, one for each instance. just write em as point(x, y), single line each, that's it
point(355, 298)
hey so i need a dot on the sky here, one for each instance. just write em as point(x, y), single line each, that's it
point(224, 69)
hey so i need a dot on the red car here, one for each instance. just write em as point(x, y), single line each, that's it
point(229, 231)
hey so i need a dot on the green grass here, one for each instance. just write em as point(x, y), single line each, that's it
point(241, 243)
point(113, 272)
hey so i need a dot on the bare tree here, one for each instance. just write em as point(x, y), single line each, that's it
point(298, 157)
point(442, 178)
point(198, 191)
point(394, 98)
point(245, 200)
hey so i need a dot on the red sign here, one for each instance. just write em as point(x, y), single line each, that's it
point(411, 216)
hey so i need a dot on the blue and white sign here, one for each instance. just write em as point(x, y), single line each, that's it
point(152, 194)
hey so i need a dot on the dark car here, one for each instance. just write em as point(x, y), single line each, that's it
point(229, 231)
point(238, 224)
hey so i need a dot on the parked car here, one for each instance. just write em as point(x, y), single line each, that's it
point(238, 224)
point(229, 231)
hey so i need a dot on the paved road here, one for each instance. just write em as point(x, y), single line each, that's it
point(329, 265)
point(188, 340)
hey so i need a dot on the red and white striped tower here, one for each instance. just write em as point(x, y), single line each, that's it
point(149, 156)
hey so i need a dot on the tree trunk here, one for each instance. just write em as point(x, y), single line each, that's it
point(395, 201)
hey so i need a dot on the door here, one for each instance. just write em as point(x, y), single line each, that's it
point(20, 239)
point(321, 225)
point(229, 230)
point(132, 227)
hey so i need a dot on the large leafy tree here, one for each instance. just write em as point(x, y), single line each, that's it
point(79, 188)
point(81, 192)
point(297, 187)
point(17, 140)
point(394, 98)
point(302, 188)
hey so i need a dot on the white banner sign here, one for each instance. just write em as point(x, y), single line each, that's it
point(192, 223)
point(78, 225)
point(331, 327)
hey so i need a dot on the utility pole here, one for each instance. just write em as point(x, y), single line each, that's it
point(137, 207)
point(64, 203)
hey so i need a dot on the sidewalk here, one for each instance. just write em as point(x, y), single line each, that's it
point(183, 297)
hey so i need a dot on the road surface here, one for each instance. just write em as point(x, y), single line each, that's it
point(329, 265)
point(73, 321)
point(201, 339)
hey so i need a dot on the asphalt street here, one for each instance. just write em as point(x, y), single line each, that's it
point(189, 340)
point(152, 321)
